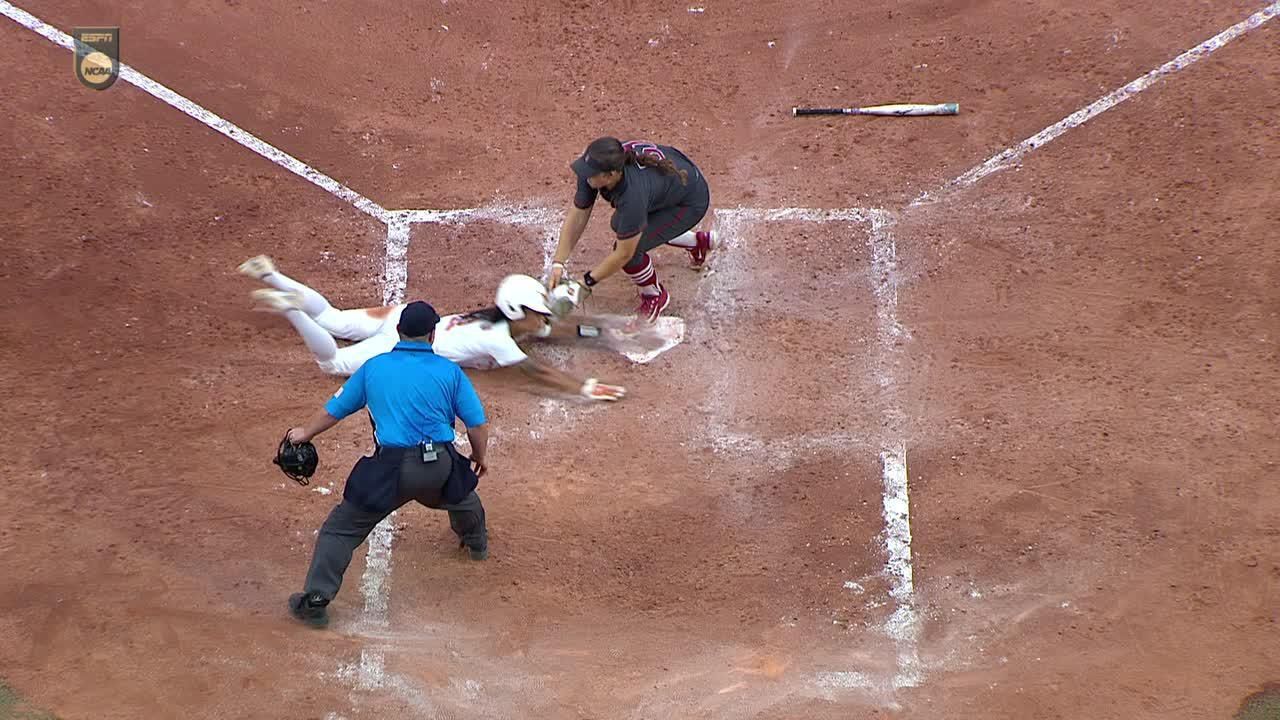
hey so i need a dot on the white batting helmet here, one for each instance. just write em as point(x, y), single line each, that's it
point(517, 292)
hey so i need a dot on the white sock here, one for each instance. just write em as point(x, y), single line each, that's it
point(318, 340)
point(687, 240)
point(313, 303)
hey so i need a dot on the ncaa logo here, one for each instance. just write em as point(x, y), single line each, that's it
point(97, 56)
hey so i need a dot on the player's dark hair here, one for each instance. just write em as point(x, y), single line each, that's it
point(610, 153)
point(491, 315)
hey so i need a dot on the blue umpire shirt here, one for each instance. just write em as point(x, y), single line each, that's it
point(412, 394)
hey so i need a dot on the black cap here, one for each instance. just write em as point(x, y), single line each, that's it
point(418, 319)
point(589, 164)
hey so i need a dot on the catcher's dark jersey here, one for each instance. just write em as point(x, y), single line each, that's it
point(643, 191)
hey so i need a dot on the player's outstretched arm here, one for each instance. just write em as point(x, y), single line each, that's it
point(589, 388)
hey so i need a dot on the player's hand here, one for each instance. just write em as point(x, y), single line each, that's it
point(595, 390)
point(557, 272)
point(479, 467)
point(298, 435)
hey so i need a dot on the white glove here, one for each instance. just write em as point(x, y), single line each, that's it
point(593, 389)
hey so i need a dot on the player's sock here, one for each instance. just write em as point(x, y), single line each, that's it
point(688, 240)
point(318, 340)
point(643, 274)
point(313, 303)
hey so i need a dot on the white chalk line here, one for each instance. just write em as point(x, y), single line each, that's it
point(173, 99)
point(370, 672)
point(543, 216)
point(1011, 155)
point(903, 625)
point(395, 273)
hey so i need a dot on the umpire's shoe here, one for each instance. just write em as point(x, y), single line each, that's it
point(311, 609)
point(477, 554)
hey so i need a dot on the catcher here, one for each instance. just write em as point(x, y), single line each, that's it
point(483, 339)
point(659, 196)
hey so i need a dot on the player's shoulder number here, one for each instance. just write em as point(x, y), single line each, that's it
point(643, 147)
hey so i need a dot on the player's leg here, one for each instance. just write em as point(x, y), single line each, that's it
point(643, 273)
point(331, 358)
point(653, 297)
point(348, 359)
point(346, 324)
point(356, 324)
point(289, 304)
point(662, 227)
point(264, 270)
point(698, 243)
point(683, 230)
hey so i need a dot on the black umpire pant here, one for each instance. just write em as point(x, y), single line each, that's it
point(348, 525)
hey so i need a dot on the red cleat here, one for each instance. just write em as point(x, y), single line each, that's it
point(698, 253)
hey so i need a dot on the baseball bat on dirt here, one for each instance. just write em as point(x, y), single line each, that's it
point(898, 110)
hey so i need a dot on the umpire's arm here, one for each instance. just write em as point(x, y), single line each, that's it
point(348, 399)
point(467, 406)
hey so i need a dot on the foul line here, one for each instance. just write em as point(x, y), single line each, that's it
point(1011, 155)
point(231, 130)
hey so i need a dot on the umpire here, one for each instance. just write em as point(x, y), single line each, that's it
point(413, 395)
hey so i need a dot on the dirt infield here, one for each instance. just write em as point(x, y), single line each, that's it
point(1077, 353)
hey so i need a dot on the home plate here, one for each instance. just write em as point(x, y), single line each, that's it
point(644, 344)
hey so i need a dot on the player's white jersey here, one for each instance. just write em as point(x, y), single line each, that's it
point(470, 343)
point(477, 343)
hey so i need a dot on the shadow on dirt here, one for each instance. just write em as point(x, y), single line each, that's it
point(13, 707)
point(1262, 705)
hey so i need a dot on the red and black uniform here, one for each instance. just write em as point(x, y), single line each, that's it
point(648, 201)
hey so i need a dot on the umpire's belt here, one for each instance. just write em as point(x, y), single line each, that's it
point(383, 452)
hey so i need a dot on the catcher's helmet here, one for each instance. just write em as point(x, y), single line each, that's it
point(297, 461)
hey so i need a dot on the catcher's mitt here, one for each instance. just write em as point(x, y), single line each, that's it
point(567, 297)
point(297, 461)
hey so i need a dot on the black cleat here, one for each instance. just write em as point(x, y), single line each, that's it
point(310, 609)
point(476, 553)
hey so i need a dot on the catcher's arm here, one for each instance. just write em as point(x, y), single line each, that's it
point(575, 223)
point(622, 253)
